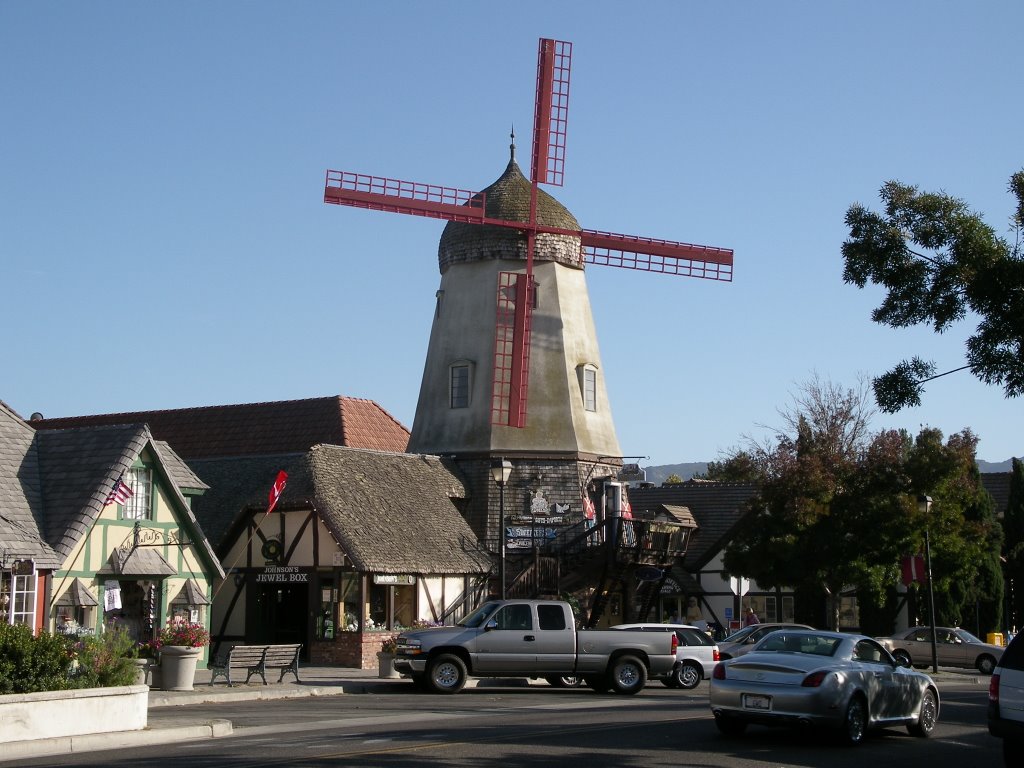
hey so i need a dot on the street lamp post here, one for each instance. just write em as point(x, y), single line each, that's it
point(501, 469)
point(924, 505)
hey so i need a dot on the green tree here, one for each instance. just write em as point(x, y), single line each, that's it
point(1013, 545)
point(673, 479)
point(938, 261)
point(837, 509)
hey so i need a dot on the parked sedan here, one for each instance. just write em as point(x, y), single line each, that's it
point(741, 641)
point(844, 681)
point(953, 648)
point(696, 655)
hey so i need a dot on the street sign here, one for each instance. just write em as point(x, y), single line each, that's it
point(739, 586)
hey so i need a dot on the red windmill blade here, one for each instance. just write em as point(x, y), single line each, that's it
point(515, 289)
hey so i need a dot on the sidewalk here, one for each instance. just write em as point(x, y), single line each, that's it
point(314, 681)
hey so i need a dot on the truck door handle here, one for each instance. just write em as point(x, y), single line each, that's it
point(529, 638)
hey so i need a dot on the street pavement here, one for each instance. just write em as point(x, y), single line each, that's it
point(314, 681)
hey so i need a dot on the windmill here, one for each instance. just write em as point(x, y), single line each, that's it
point(515, 294)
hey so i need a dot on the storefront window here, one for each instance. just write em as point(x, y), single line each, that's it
point(326, 619)
point(348, 602)
point(788, 610)
point(392, 602)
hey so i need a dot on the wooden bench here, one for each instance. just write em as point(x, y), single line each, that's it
point(256, 660)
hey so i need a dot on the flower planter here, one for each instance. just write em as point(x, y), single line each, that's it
point(59, 714)
point(386, 666)
point(178, 667)
point(144, 671)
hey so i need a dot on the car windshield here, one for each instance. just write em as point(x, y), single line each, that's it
point(477, 617)
point(736, 637)
point(792, 642)
point(966, 636)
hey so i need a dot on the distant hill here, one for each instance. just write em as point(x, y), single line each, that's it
point(999, 466)
point(658, 474)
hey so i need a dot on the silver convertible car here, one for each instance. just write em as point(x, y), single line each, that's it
point(812, 678)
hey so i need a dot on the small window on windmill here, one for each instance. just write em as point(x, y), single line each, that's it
point(588, 386)
point(460, 384)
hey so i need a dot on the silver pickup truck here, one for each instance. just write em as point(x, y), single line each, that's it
point(535, 639)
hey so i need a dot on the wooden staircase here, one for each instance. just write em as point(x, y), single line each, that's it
point(606, 557)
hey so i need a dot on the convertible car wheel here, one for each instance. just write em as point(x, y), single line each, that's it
point(927, 717)
point(855, 724)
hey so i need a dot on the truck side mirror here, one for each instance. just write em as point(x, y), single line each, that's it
point(491, 624)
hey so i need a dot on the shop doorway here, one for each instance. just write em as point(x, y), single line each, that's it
point(280, 615)
point(134, 608)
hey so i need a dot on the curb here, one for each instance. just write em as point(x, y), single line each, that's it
point(92, 742)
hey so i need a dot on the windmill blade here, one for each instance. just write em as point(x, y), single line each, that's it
point(550, 112)
point(649, 254)
point(377, 193)
point(511, 349)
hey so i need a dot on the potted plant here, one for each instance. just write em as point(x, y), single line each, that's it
point(181, 643)
point(386, 658)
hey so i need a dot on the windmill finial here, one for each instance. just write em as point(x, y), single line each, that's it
point(512, 146)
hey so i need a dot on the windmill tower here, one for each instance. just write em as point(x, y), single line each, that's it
point(513, 369)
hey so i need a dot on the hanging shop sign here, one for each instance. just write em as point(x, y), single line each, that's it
point(394, 578)
point(23, 567)
point(282, 574)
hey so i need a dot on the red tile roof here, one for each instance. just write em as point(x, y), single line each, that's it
point(289, 426)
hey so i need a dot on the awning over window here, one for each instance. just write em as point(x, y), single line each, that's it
point(190, 594)
point(138, 562)
point(77, 595)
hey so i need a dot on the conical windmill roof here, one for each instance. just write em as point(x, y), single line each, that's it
point(509, 198)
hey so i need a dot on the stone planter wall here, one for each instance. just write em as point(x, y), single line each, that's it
point(55, 714)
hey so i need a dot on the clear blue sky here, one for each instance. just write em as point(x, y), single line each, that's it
point(164, 243)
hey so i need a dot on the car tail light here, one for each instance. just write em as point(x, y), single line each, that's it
point(993, 689)
point(715, 655)
point(675, 643)
point(719, 672)
point(814, 679)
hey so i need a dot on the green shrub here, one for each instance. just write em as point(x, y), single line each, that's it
point(29, 664)
point(104, 660)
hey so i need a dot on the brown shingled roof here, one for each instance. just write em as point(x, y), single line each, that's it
point(289, 426)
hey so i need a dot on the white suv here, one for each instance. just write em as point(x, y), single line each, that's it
point(696, 655)
point(1006, 700)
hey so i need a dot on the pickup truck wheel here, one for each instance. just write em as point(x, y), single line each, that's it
point(446, 674)
point(628, 675)
point(596, 683)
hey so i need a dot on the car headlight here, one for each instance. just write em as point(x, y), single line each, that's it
point(407, 647)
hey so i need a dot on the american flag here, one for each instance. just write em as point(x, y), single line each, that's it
point(120, 492)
